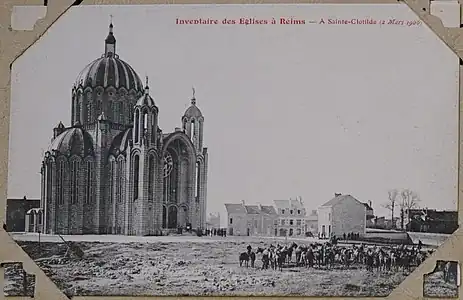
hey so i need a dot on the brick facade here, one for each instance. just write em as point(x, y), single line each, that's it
point(114, 171)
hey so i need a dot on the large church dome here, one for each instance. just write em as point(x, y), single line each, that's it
point(109, 86)
point(109, 71)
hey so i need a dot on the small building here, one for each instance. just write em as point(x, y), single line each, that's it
point(291, 217)
point(432, 221)
point(370, 218)
point(237, 221)
point(341, 215)
point(16, 211)
point(246, 220)
point(380, 222)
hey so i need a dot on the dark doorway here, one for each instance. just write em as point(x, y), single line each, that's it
point(172, 217)
point(164, 213)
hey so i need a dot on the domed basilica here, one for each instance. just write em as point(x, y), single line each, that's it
point(114, 171)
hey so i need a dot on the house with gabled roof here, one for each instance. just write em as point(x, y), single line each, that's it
point(292, 218)
point(257, 220)
point(341, 215)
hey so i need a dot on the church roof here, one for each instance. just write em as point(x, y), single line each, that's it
point(146, 99)
point(121, 142)
point(74, 140)
point(193, 111)
point(109, 70)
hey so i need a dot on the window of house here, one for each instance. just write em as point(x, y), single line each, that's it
point(282, 211)
point(290, 222)
point(275, 222)
point(298, 222)
point(231, 220)
point(282, 222)
point(329, 217)
point(291, 211)
point(298, 211)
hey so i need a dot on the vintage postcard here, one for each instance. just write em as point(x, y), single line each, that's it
point(267, 150)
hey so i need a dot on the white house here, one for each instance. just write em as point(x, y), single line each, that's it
point(291, 217)
point(342, 214)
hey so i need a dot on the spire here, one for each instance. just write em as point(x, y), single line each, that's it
point(110, 41)
point(147, 89)
point(193, 99)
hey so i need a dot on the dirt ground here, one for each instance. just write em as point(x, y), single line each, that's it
point(435, 286)
point(194, 268)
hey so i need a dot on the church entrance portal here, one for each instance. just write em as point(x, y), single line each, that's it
point(177, 174)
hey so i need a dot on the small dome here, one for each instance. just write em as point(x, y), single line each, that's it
point(73, 141)
point(109, 71)
point(121, 142)
point(146, 99)
point(193, 111)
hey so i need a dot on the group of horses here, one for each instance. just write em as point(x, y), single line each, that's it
point(328, 256)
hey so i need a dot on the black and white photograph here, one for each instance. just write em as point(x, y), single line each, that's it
point(444, 281)
point(230, 150)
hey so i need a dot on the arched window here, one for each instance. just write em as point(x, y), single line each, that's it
point(198, 177)
point(136, 174)
point(74, 181)
point(60, 187)
point(192, 129)
point(145, 121)
point(137, 125)
point(111, 181)
point(78, 107)
point(120, 180)
point(151, 177)
point(88, 185)
point(49, 181)
point(153, 127)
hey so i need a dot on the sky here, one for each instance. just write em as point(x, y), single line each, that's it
point(290, 110)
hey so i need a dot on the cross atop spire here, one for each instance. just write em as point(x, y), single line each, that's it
point(193, 99)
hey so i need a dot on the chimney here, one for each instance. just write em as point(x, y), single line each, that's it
point(242, 202)
point(337, 194)
point(369, 203)
point(24, 198)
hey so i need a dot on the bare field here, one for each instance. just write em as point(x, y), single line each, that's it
point(194, 266)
